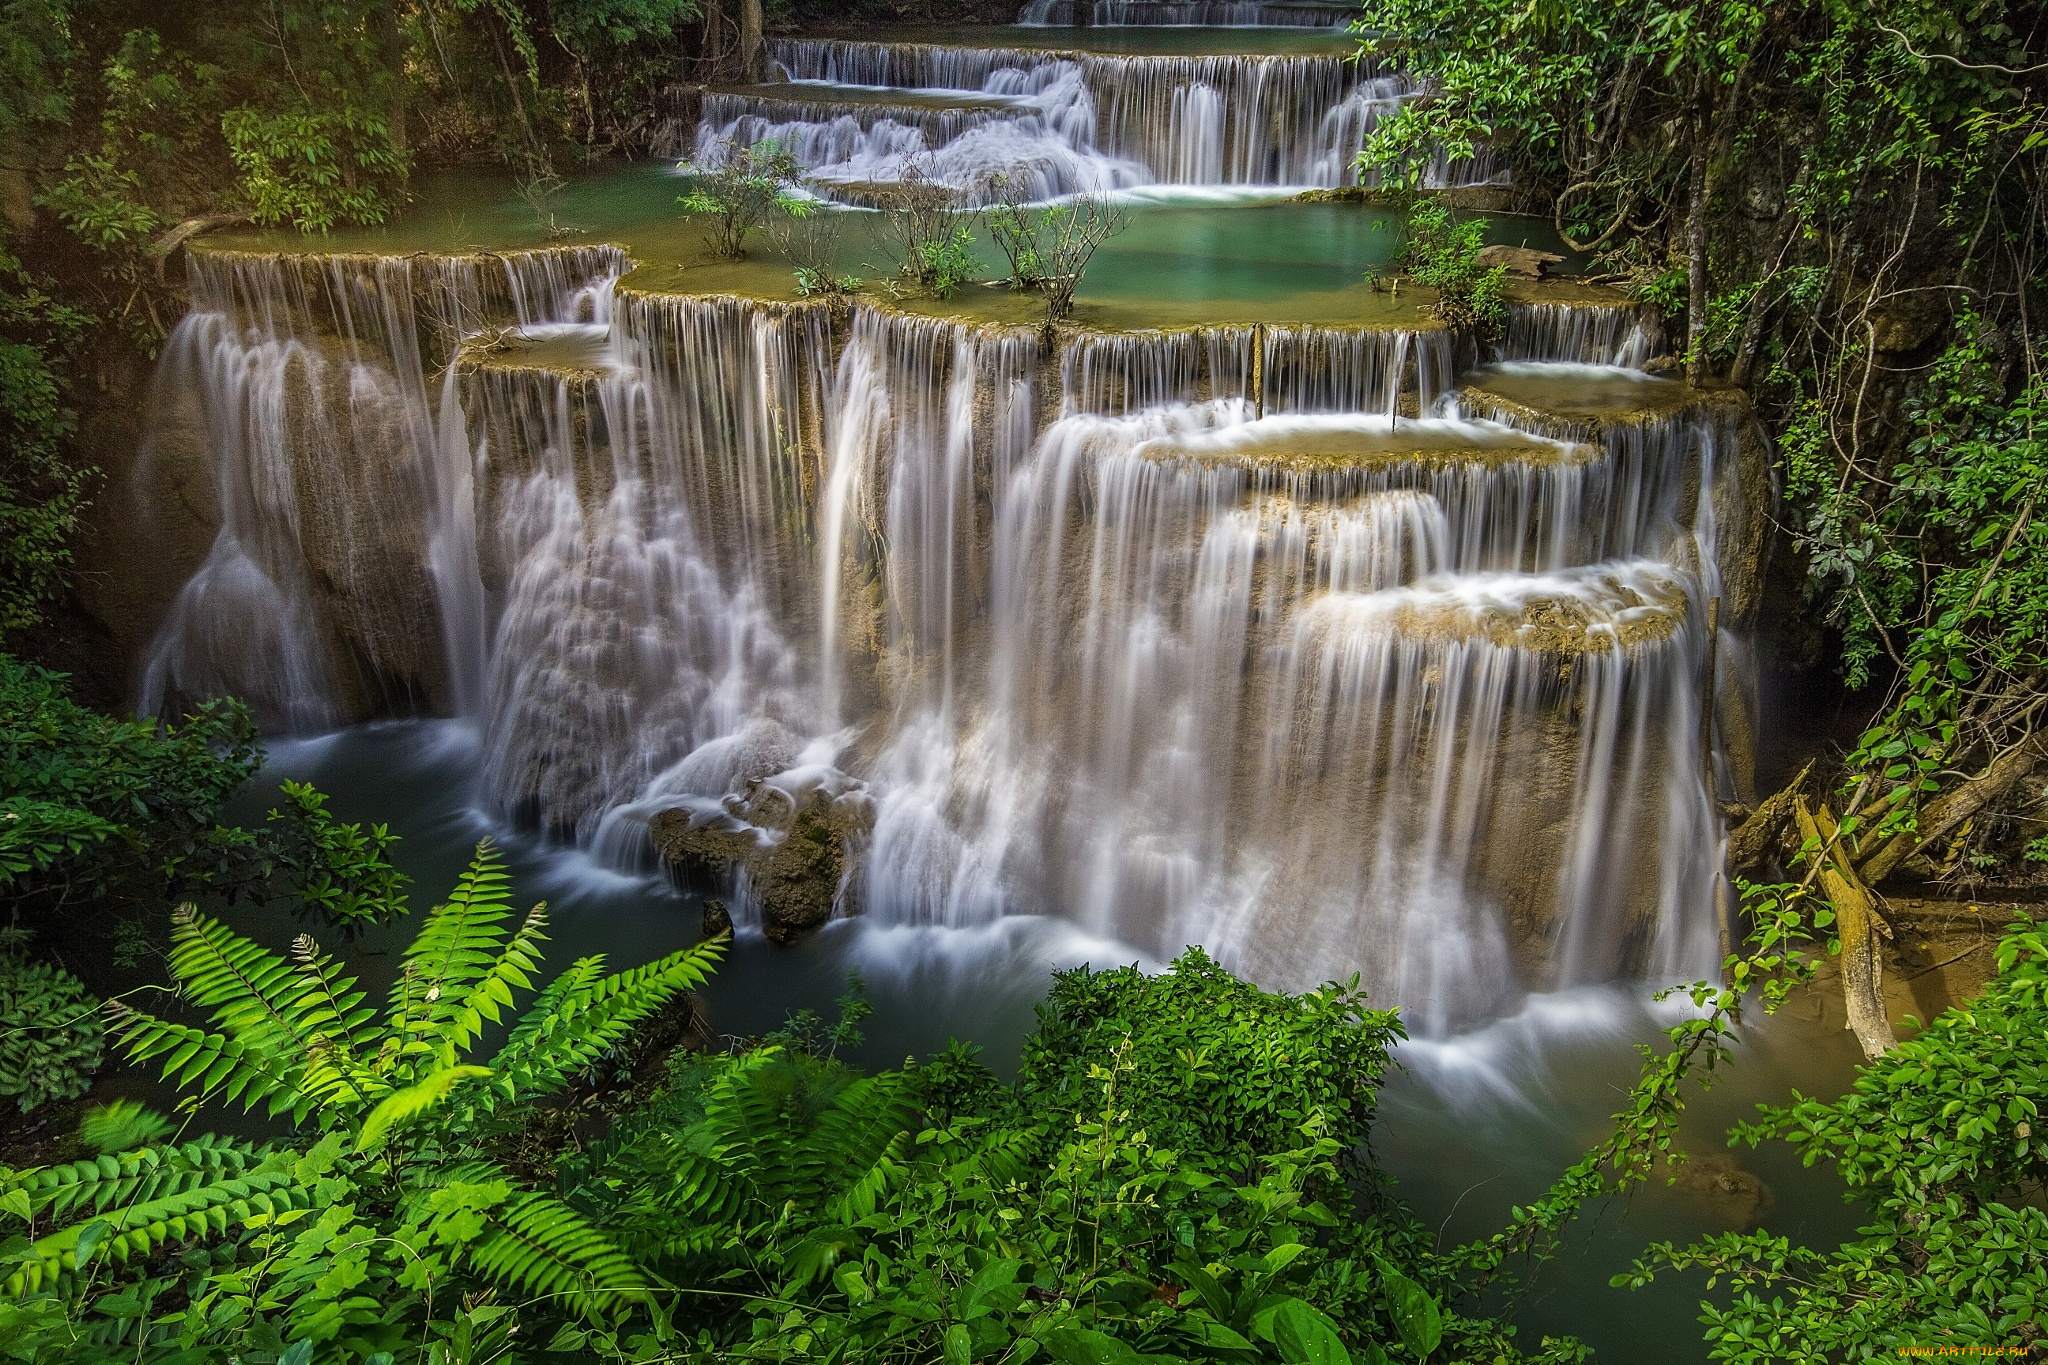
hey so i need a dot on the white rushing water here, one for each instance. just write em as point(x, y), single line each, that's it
point(858, 114)
point(1189, 13)
point(1187, 637)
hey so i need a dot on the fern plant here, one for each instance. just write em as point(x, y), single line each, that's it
point(338, 1236)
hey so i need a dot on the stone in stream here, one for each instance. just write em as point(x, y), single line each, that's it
point(1519, 260)
point(789, 840)
point(717, 919)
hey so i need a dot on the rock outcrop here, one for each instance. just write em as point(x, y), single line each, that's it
point(782, 840)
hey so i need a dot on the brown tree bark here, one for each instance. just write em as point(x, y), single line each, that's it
point(753, 51)
point(1951, 808)
point(392, 36)
point(711, 51)
point(1754, 837)
point(1858, 924)
point(1696, 370)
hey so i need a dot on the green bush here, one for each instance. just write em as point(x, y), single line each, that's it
point(1941, 1141)
point(1217, 1065)
point(1442, 253)
point(1175, 1175)
point(50, 1033)
point(740, 188)
point(99, 811)
point(91, 805)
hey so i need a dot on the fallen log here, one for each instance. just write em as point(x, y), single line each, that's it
point(184, 232)
point(1951, 808)
point(1858, 925)
point(1754, 837)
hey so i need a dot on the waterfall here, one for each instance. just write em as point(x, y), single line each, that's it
point(1190, 13)
point(300, 383)
point(1062, 122)
point(1594, 334)
point(1194, 636)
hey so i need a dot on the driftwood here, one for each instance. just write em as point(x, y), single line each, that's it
point(1755, 836)
point(1519, 260)
point(1950, 809)
point(1858, 924)
point(187, 230)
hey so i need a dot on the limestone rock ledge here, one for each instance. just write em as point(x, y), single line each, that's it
point(784, 842)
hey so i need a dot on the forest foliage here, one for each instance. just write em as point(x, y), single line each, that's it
point(1846, 204)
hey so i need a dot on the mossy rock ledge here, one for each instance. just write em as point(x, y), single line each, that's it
point(792, 845)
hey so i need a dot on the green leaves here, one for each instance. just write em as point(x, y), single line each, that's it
point(1415, 1314)
point(737, 188)
point(416, 1099)
point(50, 1033)
point(1308, 1337)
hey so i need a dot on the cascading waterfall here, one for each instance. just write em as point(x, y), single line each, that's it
point(1194, 636)
point(300, 384)
point(1059, 123)
point(1189, 13)
point(1620, 334)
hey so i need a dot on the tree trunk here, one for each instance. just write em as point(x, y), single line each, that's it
point(711, 51)
point(1857, 922)
point(1950, 809)
point(753, 52)
point(1696, 371)
point(1754, 837)
point(392, 37)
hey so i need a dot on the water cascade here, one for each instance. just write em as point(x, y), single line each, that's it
point(1058, 122)
point(1189, 13)
point(1195, 636)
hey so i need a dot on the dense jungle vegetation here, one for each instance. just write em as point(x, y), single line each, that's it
point(1840, 203)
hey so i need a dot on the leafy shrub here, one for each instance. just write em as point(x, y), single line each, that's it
point(809, 237)
point(42, 490)
point(1217, 1065)
point(1942, 1141)
point(341, 1237)
point(739, 188)
point(96, 810)
point(1161, 1183)
point(88, 803)
point(1442, 253)
point(948, 264)
point(1050, 248)
point(50, 1033)
point(923, 230)
point(314, 169)
point(334, 870)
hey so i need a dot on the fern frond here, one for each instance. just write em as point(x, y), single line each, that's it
point(218, 1066)
point(579, 1017)
point(197, 1190)
point(492, 994)
point(336, 1020)
point(146, 1173)
point(743, 1125)
point(857, 1150)
point(252, 992)
point(545, 1249)
point(331, 1008)
point(1001, 1160)
point(409, 1103)
point(455, 948)
point(695, 1189)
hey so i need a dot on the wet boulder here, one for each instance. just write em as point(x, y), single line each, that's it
point(785, 838)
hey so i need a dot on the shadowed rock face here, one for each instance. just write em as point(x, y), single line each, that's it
point(788, 850)
point(1183, 634)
